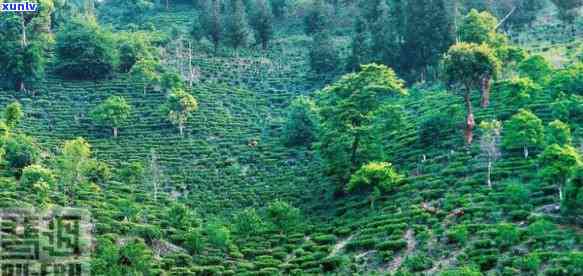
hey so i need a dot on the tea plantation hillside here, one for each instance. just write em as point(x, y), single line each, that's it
point(283, 137)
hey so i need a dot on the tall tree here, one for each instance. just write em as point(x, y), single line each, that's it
point(113, 112)
point(179, 107)
point(524, 130)
point(75, 155)
point(85, 51)
point(262, 22)
point(147, 71)
point(557, 163)
point(210, 19)
point(346, 108)
point(236, 30)
point(428, 34)
point(466, 64)
point(480, 28)
point(23, 39)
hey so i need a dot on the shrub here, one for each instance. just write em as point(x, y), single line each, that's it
point(218, 234)
point(459, 234)
point(85, 51)
point(507, 234)
point(283, 216)
point(20, 151)
point(301, 125)
point(417, 263)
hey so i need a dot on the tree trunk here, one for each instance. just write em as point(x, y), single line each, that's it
point(486, 84)
point(470, 123)
point(145, 86)
point(181, 129)
point(525, 152)
point(167, 4)
point(23, 27)
point(20, 84)
point(560, 193)
point(115, 132)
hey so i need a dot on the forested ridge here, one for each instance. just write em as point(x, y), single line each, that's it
point(299, 137)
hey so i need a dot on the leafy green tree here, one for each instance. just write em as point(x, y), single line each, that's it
point(97, 172)
point(467, 64)
point(537, 68)
point(283, 216)
point(324, 56)
point(345, 108)
point(572, 205)
point(557, 163)
point(131, 258)
point(559, 133)
point(133, 47)
point(23, 39)
point(20, 151)
point(179, 107)
point(113, 112)
point(387, 123)
point(480, 28)
point(568, 80)
point(302, 123)
point(519, 92)
point(524, 130)
point(262, 23)
point(236, 29)
point(489, 144)
point(210, 19)
point(172, 80)
point(75, 154)
point(380, 175)
point(38, 181)
point(13, 114)
point(429, 32)
point(248, 222)
point(85, 51)
point(147, 71)
point(568, 108)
